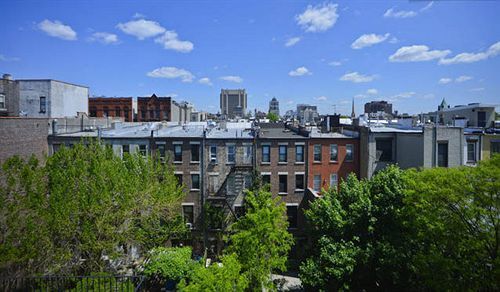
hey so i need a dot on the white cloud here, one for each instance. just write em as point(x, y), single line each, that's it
point(292, 41)
point(393, 40)
point(477, 89)
point(417, 53)
point(445, 80)
point(335, 63)
point(318, 18)
point(141, 28)
point(321, 98)
point(372, 91)
point(8, 59)
point(206, 81)
point(232, 78)
point(463, 78)
point(172, 73)
point(403, 95)
point(104, 37)
point(357, 78)
point(57, 29)
point(492, 51)
point(428, 6)
point(290, 102)
point(399, 14)
point(138, 15)
point(301, 71)
point(170, 41)
point(368, 40)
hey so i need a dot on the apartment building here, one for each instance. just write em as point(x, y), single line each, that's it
point(419, 147)
point(233, 103)
point(153, 108)
point(111, 107)
point(332, 157)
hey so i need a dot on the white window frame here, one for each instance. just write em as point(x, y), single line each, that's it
point(336, 146)
point(314, 153)
point(213, 155)
point(336, 179)
point(228, 145)
point(352, 152)
point(199, 180)
point(314, 183)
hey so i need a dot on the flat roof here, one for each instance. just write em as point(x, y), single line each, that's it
point(54, 80)
point(279, 133)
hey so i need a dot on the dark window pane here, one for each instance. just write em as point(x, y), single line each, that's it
point(283, 184)
point(384, 149)
point(291, 213)
point(443, 154)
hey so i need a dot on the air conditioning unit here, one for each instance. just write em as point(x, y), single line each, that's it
point(189, 226)
point(213, 159)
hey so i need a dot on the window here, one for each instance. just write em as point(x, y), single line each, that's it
point(291, 213)
point(494, 148)
point(195, 181)
point(317, 183)
point(161, 150)
point(151, 114)
point(230, 184)
point(239, 211)
point(93, 112)
point(2, 101)
point(317, 153)
point(481, 119)
point(143, 113)
point(125, 149)
point(118, 112)
point(178, 153)
point(157, 113)
point(188, 213)
point(333, 180)
point(266, 179)
point(266, 155)
point(471, 152)
point(334, 153)
point(248, 182)
point(143, 150)
point(125, 113)
point(384, 149)
point(213, 153)
point(43, 104)
point(282, 153)
point(299, 182)
point(231, 153)
point(349, 152)
point(213, 183)
point(195, 152)
point(299, 153)
point(178, 176)
point(247, 154)
point(283, 186)
point(443, 154)
point(105, 111)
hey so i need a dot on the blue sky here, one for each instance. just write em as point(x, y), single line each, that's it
point(325, 53)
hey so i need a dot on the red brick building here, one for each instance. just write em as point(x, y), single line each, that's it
point(111, 107)
point(154, 108)
point(331, 157)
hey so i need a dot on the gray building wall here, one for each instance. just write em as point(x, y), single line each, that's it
point(454, 136)
point(10, 89)
point(62, 99)
point(23, 137)
point(233, 102)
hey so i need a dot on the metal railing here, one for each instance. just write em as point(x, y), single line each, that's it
point(73, 283)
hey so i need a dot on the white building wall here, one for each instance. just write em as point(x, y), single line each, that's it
point(30, 92)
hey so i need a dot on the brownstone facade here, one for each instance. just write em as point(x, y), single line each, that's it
point(154, 108)
point(111, 107)
point(337, 158)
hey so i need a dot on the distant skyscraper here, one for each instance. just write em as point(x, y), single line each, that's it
point(233, 103)
point(274, 106)
point(353, 114)
point(307, 113)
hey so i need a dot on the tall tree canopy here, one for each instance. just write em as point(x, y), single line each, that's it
point(260, 239)
point(83, 208)
point(434, 229)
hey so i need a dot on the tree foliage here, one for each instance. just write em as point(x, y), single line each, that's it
point(435, 229)
point(260, 239)
point(223, 276)
point(82, 209)
point(273, 117)
point(172, 263)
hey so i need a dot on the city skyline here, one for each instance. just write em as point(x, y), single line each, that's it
point(412, 54)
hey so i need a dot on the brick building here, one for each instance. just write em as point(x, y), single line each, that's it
point(111, 107)
point(23, 137)
point(332, 157)
point(154, 108)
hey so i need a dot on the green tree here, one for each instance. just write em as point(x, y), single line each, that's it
point(357, 233)
point(223, 276)
point(260, 239)
point(456, 216)
point(83, 208)
point(273, 117)
point(172, 263)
